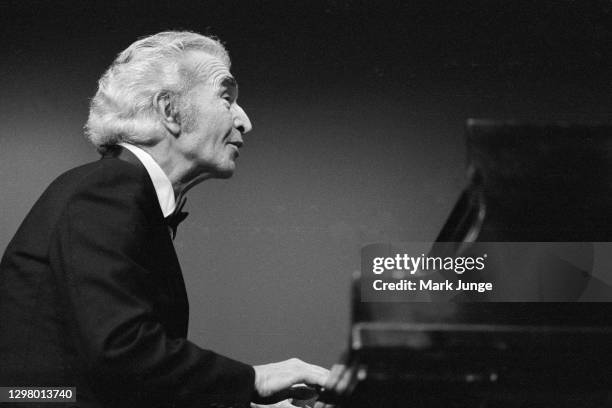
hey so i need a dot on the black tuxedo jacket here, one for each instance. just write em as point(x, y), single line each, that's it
point(92, 296)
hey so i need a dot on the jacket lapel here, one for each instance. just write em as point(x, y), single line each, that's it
point(162, 246)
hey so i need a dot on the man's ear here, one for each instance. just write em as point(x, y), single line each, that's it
point(165, 105)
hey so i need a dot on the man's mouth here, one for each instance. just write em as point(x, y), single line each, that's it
point(237, 145)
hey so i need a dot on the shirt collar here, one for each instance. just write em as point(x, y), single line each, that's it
point(161, 182)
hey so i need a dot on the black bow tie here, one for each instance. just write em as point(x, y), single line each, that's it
point(177, 216)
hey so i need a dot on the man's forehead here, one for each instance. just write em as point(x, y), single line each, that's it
point(213, 68)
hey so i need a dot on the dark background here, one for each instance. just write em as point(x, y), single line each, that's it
point(358, 110)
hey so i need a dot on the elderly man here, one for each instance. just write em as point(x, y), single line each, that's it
point(91, 292)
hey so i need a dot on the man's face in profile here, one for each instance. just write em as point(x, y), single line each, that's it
point(212, 131)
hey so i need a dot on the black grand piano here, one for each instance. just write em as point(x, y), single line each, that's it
point(529, 183)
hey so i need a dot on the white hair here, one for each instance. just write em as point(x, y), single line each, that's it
point(122, 109)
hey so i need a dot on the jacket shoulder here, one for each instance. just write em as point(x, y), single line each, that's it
point(106, 182)
point(103, 170)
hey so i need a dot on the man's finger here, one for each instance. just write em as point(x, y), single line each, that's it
point(334, 375)
point(315, 375)
point(339, 383)
point(344, 382)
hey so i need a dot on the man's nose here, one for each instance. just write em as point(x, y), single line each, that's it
point(241, 120)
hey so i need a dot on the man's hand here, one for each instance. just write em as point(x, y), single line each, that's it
point(274, 382)
point(340, 383)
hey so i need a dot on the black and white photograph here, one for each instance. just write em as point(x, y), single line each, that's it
point(317, 204)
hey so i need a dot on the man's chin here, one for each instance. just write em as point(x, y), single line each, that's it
point(225, 173)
